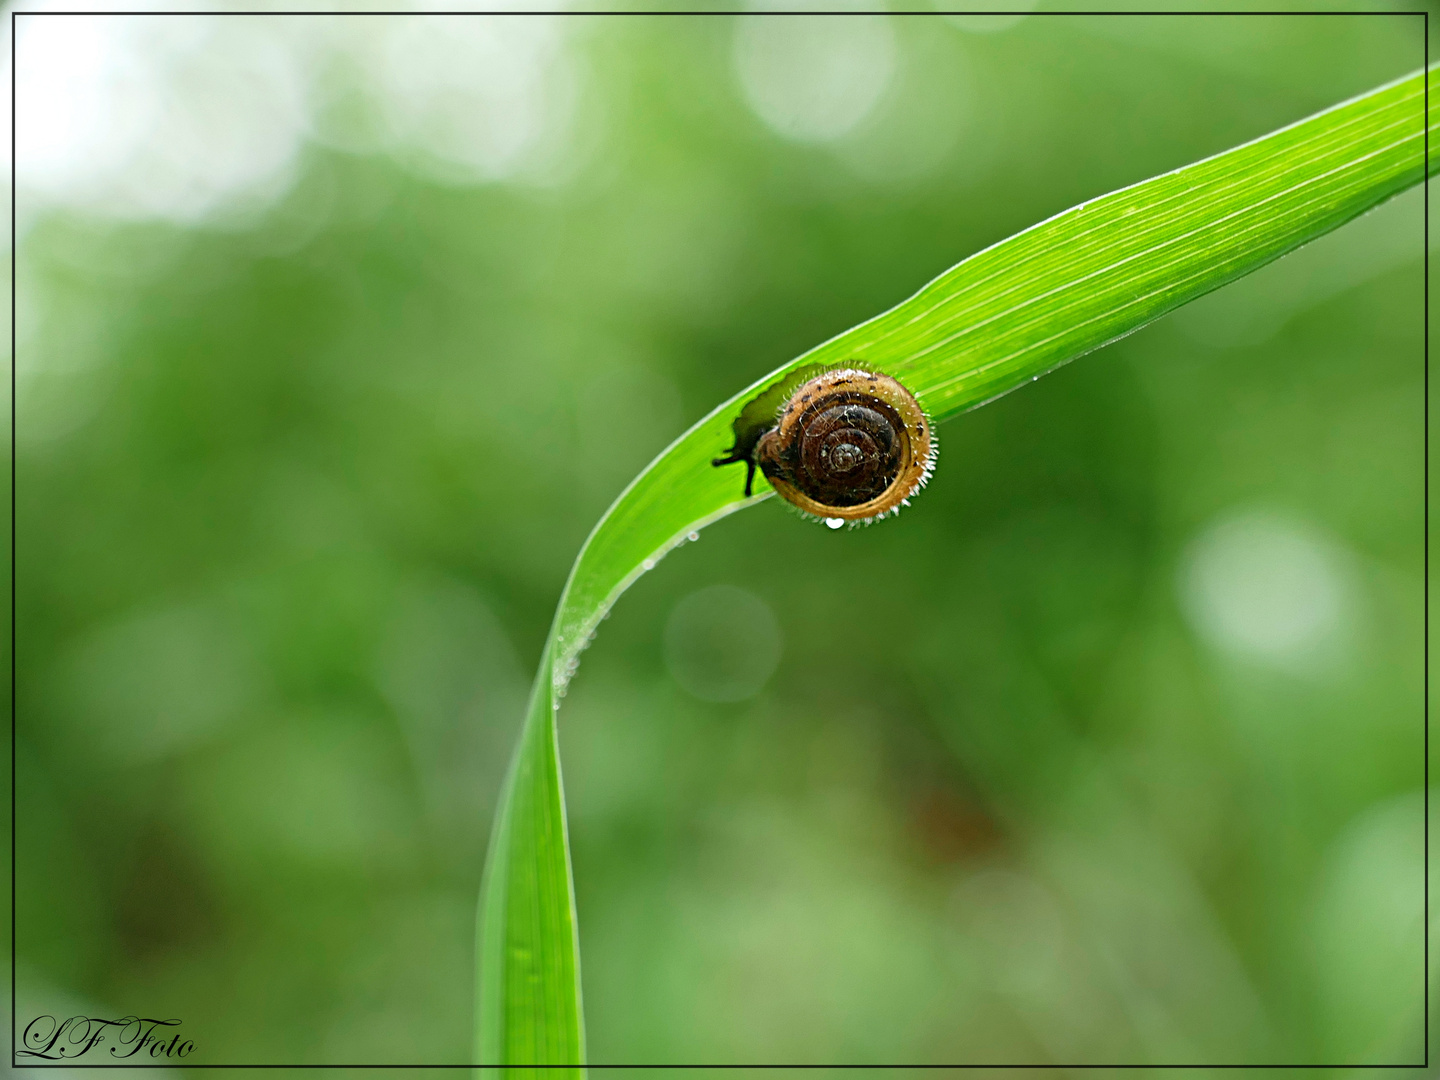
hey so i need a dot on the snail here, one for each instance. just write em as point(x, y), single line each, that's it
point(842, 445)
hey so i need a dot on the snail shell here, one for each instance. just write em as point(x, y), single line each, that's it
point(848, 444)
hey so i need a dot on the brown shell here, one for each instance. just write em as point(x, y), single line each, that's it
point(849, 444)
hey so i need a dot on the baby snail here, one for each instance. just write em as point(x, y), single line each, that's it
point(842, 445)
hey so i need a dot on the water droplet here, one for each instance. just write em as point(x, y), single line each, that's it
point(648, 564)
point(834, 523)
point(693, 536)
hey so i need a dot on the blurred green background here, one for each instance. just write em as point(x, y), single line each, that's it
point(336, 337)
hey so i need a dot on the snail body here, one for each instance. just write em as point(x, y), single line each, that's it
point(841, 445)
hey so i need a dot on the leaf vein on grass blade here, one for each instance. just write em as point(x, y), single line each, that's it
point(1070, 280)
point(1093, 208)
point(1296, 211)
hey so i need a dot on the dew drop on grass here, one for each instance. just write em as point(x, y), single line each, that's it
point(834, 523)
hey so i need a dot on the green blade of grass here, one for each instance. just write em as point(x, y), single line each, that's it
point(1001, 318)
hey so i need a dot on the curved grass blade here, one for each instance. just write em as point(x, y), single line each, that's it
point(1001, 318)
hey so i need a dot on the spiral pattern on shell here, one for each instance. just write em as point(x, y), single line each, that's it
point(847, 445)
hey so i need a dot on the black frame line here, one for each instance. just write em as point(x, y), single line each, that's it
point(14, 726)
point(691, 15)
point(1425, 353)
point(1424, 183)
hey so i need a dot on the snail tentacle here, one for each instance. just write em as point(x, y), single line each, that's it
point(731, 459)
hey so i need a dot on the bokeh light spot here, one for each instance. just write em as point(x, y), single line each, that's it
point(722, 643)
point(813, 78)
point(472, 99)
point(167, 117)
point(1368, 933)
point(154, 683)
point(992, 22)
point(1265, 586)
